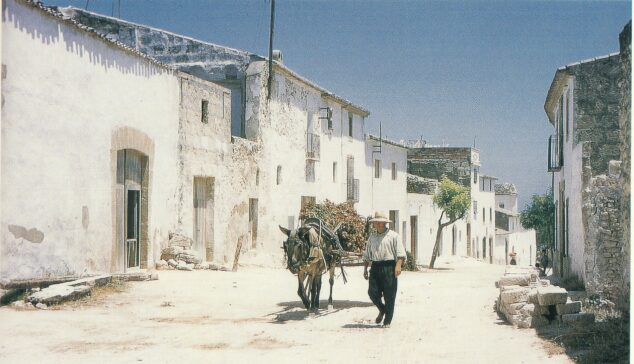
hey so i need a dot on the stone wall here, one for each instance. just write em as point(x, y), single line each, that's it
point(596, 108)
point(433, 163)
point(625, 115)
point(416, 184)
point(604, 259)
point(204, 60)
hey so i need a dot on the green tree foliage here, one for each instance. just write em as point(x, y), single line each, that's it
point(539, 214)
point(454, 201)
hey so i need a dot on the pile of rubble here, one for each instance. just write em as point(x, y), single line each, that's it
point(527, 301)
point(179, 255)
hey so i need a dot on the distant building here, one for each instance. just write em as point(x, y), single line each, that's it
point(472, 236)
point(510, 237)
point(583, 105)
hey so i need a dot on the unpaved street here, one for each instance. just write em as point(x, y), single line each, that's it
point(254, 315)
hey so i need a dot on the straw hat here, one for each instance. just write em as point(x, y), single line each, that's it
point(380, 217)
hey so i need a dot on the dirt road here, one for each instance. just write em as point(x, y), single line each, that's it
point(254, 315)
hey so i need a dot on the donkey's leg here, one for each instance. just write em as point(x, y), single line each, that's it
point(317, 290)
point(300, 289)
point(331, 280)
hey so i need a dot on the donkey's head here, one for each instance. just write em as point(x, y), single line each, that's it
point(295, 249)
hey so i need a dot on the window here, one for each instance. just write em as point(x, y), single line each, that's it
point(475, 210)
point(334, 171)
point(204, 118)
point(501, 205)
point(475, 174)
point(350, 124)
point(393, 171)
point(257, 177)
point(310, 170)
point(484, 216)
point(377, 168)
point(490, 214)
point(567, 241)
point(567, 115)
point(279, 175)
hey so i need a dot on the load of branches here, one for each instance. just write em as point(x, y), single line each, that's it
point(352, 232)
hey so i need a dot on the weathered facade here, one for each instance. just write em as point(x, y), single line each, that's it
point(77, 162)
point(302, 142)
point(625, 130)
point(583, 105)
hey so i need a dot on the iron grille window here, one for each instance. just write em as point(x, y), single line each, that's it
point(312, 146)
point(204, 112)
point(554, 154)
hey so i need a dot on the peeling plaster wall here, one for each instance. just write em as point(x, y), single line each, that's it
point(206, 151)
point(57, 182)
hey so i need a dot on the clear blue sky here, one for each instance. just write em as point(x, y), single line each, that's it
point(449, 71)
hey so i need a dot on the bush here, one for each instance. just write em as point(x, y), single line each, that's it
point(410, 263)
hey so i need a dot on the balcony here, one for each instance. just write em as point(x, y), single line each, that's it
point(555, 154)
point(312, 146)
point(353, 190)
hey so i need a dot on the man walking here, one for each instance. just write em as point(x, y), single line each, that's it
point(385, 253)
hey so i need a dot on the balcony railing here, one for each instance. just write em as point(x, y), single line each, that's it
point(353, 190)
point(312, 146)
point(555, 156)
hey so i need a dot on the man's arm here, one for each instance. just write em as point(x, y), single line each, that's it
point(400, 255)
point(365, 269)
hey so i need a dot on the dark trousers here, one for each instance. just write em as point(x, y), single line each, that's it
point(383, 282)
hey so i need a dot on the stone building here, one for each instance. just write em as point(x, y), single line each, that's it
point(510, 236)
point(472, 236)
point(583, 105)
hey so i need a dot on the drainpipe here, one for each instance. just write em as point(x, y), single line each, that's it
point(268, 95)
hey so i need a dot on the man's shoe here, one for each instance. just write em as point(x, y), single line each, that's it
point(379, 318)
point(386, 326)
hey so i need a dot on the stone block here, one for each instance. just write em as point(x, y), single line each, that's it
point(551, 295)
point(189, 256)
point(59, 293)
point(578, 318)
point(514, 280)
point(181, 240)
point(172, 263)
point(541, 310)
point(514, 296)
point(41, 306)
point(569, 308)
point(171, 252)
point(508, 288)
point(514, 308)
point(161, 264)
point(532, 296)
point(527, 310)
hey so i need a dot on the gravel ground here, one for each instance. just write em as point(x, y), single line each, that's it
point(254, 315)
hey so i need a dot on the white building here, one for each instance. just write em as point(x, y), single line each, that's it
point(510, 236)
point(474, 234)
point(103, 150)
point(201, 149)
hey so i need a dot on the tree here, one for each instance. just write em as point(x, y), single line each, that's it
point(540, 215)
point(454, 201)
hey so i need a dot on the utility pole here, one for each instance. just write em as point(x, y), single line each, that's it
point(270, 81)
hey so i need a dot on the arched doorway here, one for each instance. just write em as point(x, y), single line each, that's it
point(131, 210)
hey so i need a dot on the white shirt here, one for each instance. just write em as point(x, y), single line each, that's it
point(386, 246)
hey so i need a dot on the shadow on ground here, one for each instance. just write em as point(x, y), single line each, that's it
point(295, 310)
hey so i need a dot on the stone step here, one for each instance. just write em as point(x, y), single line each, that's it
point(551, 295)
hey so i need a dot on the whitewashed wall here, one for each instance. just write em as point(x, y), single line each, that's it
point(65, 94)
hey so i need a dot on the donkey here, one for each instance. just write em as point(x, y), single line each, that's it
point(309, 256)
